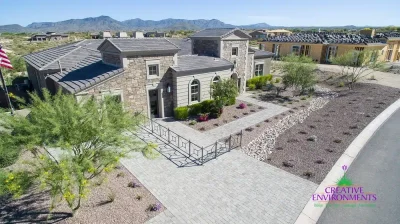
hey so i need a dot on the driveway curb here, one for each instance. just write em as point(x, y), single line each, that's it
point(310, 213)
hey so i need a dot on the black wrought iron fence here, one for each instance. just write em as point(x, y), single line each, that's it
point(194, 152)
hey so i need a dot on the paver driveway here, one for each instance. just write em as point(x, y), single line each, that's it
point(233, 188)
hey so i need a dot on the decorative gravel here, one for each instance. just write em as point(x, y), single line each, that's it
point(230, 113)
point(126, 208)
point(311, 148)
point(286, 98)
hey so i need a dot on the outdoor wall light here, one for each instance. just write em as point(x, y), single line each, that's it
point(168, 88)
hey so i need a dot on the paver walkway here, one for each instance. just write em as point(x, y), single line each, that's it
point(233, 188)
point(209, 137)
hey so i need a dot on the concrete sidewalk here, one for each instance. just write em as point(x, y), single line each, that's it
point(209, 137)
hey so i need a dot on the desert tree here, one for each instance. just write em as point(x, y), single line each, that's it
point(355, 65)
point(72, 143)
point(223, 91)
point(298, 72)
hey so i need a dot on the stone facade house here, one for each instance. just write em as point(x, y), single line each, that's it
point(49, 36)
point(149, 75)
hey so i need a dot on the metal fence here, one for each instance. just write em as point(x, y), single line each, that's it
point(197, 154)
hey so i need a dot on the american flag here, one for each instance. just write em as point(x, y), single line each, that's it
point(4, 61)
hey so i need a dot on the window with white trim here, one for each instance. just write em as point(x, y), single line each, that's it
point(153, 70)
point(259, 70)
point(195, 91)
point(235, 51)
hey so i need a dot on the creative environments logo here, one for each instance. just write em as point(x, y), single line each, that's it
point(344, 194)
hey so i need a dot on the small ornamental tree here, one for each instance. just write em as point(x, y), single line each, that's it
point(72, 143)
point(298, 72)
point(355, 65)
point(223, 91)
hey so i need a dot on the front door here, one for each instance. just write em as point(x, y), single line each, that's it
point(153, 97)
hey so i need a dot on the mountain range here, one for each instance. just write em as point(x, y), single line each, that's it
point(107, 23)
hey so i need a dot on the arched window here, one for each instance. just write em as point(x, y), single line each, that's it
point(195, 91)
point(216, 79)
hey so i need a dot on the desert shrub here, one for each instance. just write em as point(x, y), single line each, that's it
point(341, 84)
point(224, 91)
point(195, 109)
point(299, 72)
point(259, 82)
point(242, 105)
point(181, 113)
point(252, 86)
point(192, 122)
point(206, 106)
point(216, 110)
point(8, 156)
point(277, 80)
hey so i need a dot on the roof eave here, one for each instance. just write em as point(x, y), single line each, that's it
point(203, 70)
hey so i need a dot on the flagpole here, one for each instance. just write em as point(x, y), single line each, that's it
point(6, 92)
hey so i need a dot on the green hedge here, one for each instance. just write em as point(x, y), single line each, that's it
point(206, 106)
point(195, 109)
point(181, 113)
point(259, 81)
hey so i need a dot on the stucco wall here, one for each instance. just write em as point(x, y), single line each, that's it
point(286, 49)
point(182, 84)
point(206, 47)
point(267, 65)
point(250, 67)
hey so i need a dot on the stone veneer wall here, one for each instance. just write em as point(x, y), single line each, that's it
point(133, 83)
point(113, 59)
point(206, 47)
point(241, 62)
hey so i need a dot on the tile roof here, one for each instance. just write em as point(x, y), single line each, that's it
point(388, 35)
point(142, 44)
point(200, 63)
point(214, 32)
point(184, 44)
point(325, 38)
point(47, 59)
point(85, 74)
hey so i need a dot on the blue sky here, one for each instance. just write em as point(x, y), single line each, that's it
point(237, 12)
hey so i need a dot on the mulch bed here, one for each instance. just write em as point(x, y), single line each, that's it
point(126, 208)
point(286, 98)
point(335, 126)
point(230, 113)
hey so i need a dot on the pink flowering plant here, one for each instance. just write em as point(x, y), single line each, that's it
point(242, 105)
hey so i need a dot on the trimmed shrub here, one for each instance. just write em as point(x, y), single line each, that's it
point(259, 81)
point(206, 106)
point(231, 101)
point(195, 109)
point(181, 113)
point(252, 86)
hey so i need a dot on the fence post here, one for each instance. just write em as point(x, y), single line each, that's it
point(216, 145)
point(189, 147)
point(151, 123)
point(159, 128)
point(178, 141)
point(230, 144)
point(168, 136)
point(202, 155)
